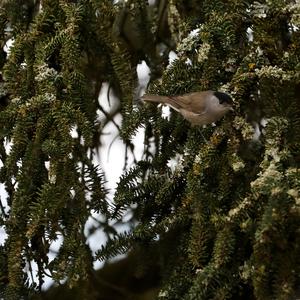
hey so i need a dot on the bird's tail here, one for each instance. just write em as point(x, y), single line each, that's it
point(155, 98)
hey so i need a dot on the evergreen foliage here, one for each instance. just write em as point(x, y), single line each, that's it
point(219, 216)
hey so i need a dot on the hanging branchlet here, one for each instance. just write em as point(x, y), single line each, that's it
point(56, 186)
point(235, 184)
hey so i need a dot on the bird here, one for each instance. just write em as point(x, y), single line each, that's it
point(199, 108)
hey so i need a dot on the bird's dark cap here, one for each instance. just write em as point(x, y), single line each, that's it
point(223, 97)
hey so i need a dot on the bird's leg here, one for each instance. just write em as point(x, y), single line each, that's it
point(200, 131)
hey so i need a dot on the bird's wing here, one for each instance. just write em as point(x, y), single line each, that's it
point(190, 102)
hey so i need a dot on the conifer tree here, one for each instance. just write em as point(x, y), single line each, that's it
point(215, 217)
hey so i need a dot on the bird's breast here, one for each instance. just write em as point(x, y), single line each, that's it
point(205, 118)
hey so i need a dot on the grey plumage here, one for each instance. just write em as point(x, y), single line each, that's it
point(198, 108)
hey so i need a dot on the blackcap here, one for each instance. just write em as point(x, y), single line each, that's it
point(199, 108)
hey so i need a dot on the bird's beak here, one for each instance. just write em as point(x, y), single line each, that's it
point(231, 108)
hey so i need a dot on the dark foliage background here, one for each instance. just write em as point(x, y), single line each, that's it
point(224, 222)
